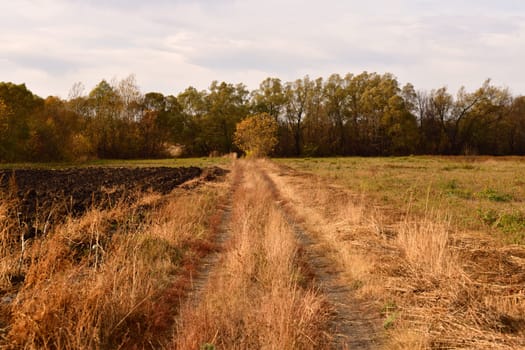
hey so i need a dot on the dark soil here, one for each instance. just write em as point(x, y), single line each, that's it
point(51, 195)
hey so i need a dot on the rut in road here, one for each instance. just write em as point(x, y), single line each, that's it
point(200, 278)
point(353, 324)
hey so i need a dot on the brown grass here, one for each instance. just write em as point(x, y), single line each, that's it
point(256, 298)
point(109, 279)
point(436, 287)
point(424, 242)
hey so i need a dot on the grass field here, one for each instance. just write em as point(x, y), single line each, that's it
point(335, 253)
point(169, 162)
point(478, 193)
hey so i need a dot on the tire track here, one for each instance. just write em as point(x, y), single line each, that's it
point(207, 264)
point(250, 296)
point(352, 326)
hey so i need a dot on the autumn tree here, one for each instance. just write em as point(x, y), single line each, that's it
point(257, 135)
point(56, 133)
point(270, 97)
point(368, 114)
point(18, 106)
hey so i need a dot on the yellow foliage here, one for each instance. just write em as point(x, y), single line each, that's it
point(257, 135)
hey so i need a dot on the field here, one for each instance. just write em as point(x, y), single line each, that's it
point(337, 253)
point(475, 193)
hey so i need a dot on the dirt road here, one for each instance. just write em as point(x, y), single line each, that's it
point(343, 321)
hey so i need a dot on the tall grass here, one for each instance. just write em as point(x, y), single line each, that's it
point(425, 244)
point(112, 278)
point(255, 300)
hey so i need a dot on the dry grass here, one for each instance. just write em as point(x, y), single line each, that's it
point(109, 279)
point(425, 244)
point(481, 193)
point(335, 217)
point(255, 299)
point(435, 286)
point(119, 278)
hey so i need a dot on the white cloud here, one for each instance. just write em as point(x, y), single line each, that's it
point(170, 45)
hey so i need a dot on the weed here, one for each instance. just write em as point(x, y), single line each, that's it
point(389, 310)
point(459, 167)
point(452, 188)
point(425, 243)
point(389, 321)
point(389, 307)
point(513, 225)
point(495, 196)
point(451, 185)
point(356, 284)
point(488, 217)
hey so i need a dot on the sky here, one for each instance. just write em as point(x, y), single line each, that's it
point(170, 45)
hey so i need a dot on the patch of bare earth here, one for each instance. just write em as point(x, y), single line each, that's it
point(404, 282)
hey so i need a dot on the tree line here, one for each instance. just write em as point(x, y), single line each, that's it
point(368, 114)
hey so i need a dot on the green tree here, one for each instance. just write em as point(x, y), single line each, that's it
point(269, 98)
point(514, 130)
point(226, 105)
point(337, 106)
point(115, 112)
point(193, 112)
point(316, 123)
point(257, 135)
point(161, 123)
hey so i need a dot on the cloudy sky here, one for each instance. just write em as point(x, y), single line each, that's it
point(170, 45)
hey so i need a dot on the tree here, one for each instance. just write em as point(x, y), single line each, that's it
point(297, 95)
point(18, 106)
point(257, 135)
point(226, 105)
point(161, 123)
point(269, 98)
point(316, 123)
point(337, 105)
point(56, 133)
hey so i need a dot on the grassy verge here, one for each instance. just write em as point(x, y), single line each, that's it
point(478, 193)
